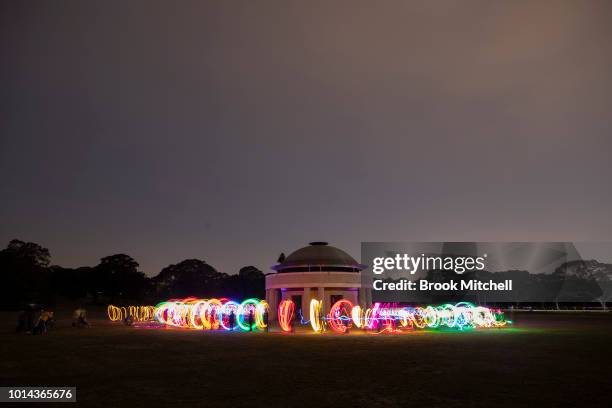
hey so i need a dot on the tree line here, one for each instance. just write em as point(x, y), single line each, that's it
point(27, 276)
point(576, 281)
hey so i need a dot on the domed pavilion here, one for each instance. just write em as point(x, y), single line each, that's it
point(318, 271)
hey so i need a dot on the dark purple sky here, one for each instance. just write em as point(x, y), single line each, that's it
point(232, 131)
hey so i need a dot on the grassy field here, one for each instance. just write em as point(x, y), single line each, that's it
point(544, 360)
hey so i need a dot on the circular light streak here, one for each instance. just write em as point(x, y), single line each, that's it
point(214, 314)
point(244, 310)
point(357, 316)
point(339, 317)
point(137, 313)
point(225, 312)
point(204, 314)
point(261, 314)
point(286, 312)
point(315, 315)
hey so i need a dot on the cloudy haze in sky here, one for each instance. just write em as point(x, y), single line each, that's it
point(232, 131)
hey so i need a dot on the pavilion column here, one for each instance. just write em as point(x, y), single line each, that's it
point(272, 297)
point(362, 297)
point(269, 301)
point(321, 297)
point(306, 303)
point(368, 293)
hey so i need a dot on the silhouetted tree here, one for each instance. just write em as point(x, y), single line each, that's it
point(28, 253)
point(248, 283)
point(117, 277)
point(191, 277)
point(25, 274)
point(583, 280)
point(27, 277)
point(71, 283)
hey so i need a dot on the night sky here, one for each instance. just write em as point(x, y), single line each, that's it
point(232, 131)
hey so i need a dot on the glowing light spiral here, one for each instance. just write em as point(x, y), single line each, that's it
point(214, 314)
point(357, 316)
point(389, 318)
point(137, 313)
point(225, 313)
point(315, 315)
point(340, 316)
point(261, 315)
point(210, 314)
point(196, 313)
point(286, 312)
point(461, 316)
point(246, 308)
point(371, 316)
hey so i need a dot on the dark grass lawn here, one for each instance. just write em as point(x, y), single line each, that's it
point(545, 360)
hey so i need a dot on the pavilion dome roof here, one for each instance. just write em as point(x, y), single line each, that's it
point(318, 256)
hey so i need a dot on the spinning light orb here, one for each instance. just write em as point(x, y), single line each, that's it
point(357, 316)
point(261, 315)
point(225, 314)
point(286, 312)
point(371, 316)
point(137, 313)
point(315, 315)
point(246, 308)
point(340, 316)
point(210, 314)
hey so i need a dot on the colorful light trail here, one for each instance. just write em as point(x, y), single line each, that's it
point(315, 315)
point(340, 316)
point(252, 314)
point(212, 314)
point(137, 313)
point(286, 313)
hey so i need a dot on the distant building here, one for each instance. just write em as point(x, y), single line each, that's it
point(318, 271)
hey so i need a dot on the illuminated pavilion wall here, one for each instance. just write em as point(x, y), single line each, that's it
point(322, 285)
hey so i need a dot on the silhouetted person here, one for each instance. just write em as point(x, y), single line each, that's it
point(34, 320)
point(22, 321)
point(80, 318)
point(251, 320)
point(128, 321)
point(41, 325)
point(322, 321)
point(266, 318)
point(33, 314)
point(49, 319)
point(232, 320)
point(31, 318)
